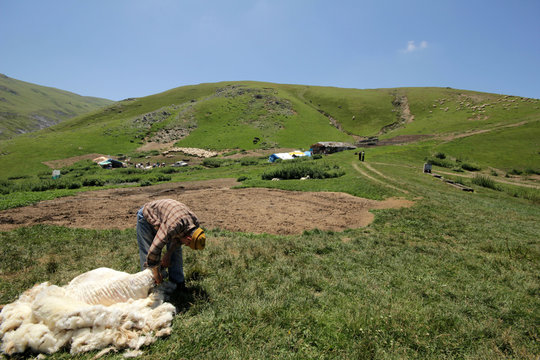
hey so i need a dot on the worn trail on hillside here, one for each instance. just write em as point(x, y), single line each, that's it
point(252, 210)
point(366, 174)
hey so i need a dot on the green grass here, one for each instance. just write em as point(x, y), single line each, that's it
point(444, 279)
point(22, 104)
point(429, 105)
point(506, 149)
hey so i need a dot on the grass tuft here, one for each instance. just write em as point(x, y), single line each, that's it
point(485, 181)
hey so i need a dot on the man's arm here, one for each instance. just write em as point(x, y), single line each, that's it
point(154, 252)
point(166, 259)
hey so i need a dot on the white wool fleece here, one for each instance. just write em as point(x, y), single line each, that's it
point(97, 309)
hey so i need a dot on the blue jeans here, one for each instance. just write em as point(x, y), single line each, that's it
point(145, 236)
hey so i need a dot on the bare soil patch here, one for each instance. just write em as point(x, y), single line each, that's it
point(57, 164)
point(215, 203)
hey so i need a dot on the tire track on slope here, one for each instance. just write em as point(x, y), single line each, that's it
point(357, 168)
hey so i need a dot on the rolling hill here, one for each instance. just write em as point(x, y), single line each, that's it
point(26, 107)
point(253, 115)
point(300, 268)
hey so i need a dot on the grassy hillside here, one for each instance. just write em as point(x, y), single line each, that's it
point(453, 277)
point(26, 107)
point(252, 115)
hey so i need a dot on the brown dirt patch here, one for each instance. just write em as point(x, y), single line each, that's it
point(215, 203)
point(57, 164)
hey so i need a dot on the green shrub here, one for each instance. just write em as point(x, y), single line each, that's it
point(42, 185)
point(130, 170)
point(470, 167)
point(74, 185)
point(242, 178)
point(440, 162)
point(299, 169)
point(93, 182)
point(159, 177)
point(485, 181)
point(169, 170)
point(440, 155)
point(249, 161)
point(145, 183)
point(216, 162)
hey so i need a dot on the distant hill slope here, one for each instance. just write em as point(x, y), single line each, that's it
point(26, 107)
point(255, 115)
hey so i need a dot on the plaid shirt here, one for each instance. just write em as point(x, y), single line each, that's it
point(172, 220)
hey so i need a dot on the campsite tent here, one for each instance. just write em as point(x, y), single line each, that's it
point(111, 163)
point(288, 155)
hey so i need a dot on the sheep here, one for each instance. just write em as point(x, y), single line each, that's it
point(98, 309)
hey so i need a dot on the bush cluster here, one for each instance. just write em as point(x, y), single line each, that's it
point(440, 155)
point(485, 181)
point(249, 161)
point(298, 169)
point(440, 160)
point(470, 167)
point(216, 162)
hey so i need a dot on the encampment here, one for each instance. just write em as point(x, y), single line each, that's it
point(108, 163)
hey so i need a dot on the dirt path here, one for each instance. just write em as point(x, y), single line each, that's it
point(215, 203)
point(369, 167)
point(449, 137)
point(364, 173)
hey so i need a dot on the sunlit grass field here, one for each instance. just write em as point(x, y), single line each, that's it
point(455, 276)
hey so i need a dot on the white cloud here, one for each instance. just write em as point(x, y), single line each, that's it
point(411, 46)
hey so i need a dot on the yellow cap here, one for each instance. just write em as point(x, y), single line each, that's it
point(198, 239)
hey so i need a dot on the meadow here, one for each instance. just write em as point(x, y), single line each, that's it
point(454, 276)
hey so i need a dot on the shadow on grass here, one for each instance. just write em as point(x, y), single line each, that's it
point(183, 300)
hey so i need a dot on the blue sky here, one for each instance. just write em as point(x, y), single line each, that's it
point(130, 48)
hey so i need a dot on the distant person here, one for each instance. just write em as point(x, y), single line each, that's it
point(171, 223)
point(361, 155)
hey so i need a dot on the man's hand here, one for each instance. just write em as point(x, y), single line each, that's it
point(156, 271)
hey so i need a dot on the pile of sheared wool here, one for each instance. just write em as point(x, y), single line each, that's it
point(98, 309)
